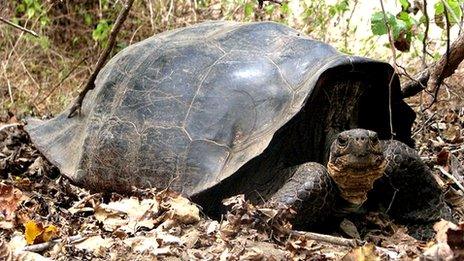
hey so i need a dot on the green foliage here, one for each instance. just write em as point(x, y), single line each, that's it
point(33, 9)
point(453, 9)
point(102, 31)
point(397, 26)
point(404, 4)
point(405, 28)
point(339, 8)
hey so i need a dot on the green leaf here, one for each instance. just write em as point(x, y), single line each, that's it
point(404, 4)
point(87, 19)
point(102, 31)
point(285, 9)
point(248, 9)
point(30, 12)
point(44, 42)
point(452, 7)
point(269, 9)
point(407, 19)
point(378, 24)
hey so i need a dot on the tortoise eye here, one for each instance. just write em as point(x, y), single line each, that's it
point(342, 140)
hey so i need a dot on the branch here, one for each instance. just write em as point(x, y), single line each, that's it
point(340, 241)
point(76, 107)
point(19, 27)
point(437, 72)
point(426, 33)
point(395, 67)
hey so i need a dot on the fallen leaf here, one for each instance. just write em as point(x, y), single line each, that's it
point(363, 253)
point(10, 198)
point(182, 210)
point(141, 244)
point(96, 245)
point(442, 227)
point(439, 251)
point(128, 214)
point(36, 233)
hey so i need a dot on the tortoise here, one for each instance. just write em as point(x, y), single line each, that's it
point(221, 108)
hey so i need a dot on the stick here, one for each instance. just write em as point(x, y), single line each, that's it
point(395, 67)
point(19, 27)
point(44, 246)
point(437, 71)
point(327, 238)
point(6, 126)
point(76, 107)
point(60, 82)
point(444, 172)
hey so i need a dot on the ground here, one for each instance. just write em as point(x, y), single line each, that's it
point(43, 216)
point(39, 206)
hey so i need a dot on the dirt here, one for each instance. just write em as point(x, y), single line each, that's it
point(39, 206)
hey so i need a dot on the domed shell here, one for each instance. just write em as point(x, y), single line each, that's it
point(187, 108)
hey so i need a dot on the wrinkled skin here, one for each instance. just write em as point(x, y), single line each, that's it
point(364, 171)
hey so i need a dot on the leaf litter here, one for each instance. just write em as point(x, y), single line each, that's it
point(44, 217)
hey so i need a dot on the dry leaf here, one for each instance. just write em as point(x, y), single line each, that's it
point(183, 211)
point(36, 233)
point(127, 214)
point(5, 251)
point(441, 227)
point(141, 244)
point(10, 198)
point(96, 245)
point(363, 253)
point(440, 251)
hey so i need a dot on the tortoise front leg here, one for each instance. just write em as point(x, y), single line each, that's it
point(408, 191)
point(310, 192)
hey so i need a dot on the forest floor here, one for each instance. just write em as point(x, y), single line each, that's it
point(43, 216)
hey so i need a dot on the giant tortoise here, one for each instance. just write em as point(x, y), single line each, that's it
point(222, 108)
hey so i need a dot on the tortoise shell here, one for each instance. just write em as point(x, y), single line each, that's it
point(188, 108)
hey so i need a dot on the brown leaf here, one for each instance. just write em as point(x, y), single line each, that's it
point(10, 198)
point(443, 157)
point(363, 253)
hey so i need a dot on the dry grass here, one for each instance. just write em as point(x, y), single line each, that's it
point(40, 76)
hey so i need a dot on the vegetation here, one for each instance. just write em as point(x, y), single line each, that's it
point(41, 75)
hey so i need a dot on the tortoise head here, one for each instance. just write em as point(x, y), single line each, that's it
point(356, 161)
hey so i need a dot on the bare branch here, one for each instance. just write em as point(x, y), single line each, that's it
point(327, 238)
point(426, 33)
point(19, 27)
point(392, 46)
point(76, 107)
point(438, 71)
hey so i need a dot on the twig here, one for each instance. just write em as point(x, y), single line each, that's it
point(6, 126)
point(426, 33)
point(76, 107)
point(44, 246)
point(435, 82)
point(443, 69)
point(340, 241)
point(19, 27)
point(348, 23)
point(450, 10)
point(392, 46)
point(447, 174)
point(60, 82)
